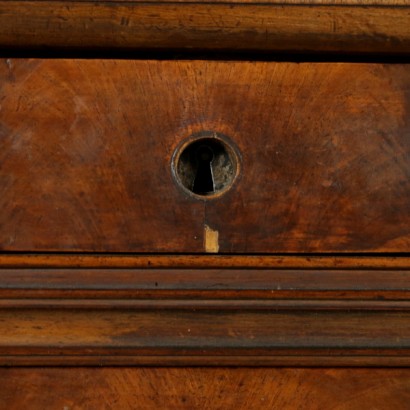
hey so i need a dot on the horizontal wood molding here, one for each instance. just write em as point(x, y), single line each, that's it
point(68, 310)
point(212, 337)
point(385, 3)
point(78, 260)
point(372, 359)
point(296, 27)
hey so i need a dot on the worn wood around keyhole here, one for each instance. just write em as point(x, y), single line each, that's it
point(206, 164)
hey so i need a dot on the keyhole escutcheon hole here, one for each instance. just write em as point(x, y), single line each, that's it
point(205, 165)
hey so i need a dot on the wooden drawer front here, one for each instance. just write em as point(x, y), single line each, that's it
point(86, 149)
point(204, 388)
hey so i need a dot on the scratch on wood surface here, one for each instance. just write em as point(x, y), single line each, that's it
point(211, 240)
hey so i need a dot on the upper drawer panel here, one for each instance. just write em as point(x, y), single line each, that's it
point(308, 26)
point(86, 148)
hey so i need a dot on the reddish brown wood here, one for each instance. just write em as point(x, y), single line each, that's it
point(107, 261)
point(87, 144)
point(207, 26)
point(86, 153)
point(368, 358)
point(252, 332)
point(259, 316)
point(195, 388)
point(205, 279)
point(384, 3)
point(85, 150)
point(377, 289)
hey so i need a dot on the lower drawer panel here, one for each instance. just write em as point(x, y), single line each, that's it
point(195, 388)
point(86, 148)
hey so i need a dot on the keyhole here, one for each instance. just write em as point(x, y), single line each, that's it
point(205, 165)
point(204, 180)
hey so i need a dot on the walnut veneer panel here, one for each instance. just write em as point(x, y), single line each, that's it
point(86, 147)
point(200, 388)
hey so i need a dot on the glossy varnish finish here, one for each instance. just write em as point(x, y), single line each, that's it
point(86, 147)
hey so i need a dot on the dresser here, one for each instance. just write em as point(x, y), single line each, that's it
point(204, 204)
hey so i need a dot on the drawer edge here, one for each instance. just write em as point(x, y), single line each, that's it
point(199, 26)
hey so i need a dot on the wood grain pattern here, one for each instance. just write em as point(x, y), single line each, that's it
point(258, 317)
point(201, 335)
point(202, 388)
point(205, 26)
point(81, 140)
point(107, 261)
point(86, 149)
point(128, 286)
point(385, 3)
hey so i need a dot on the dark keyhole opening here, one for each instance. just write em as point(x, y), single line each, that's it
point(205, 166)
point(204, 180)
